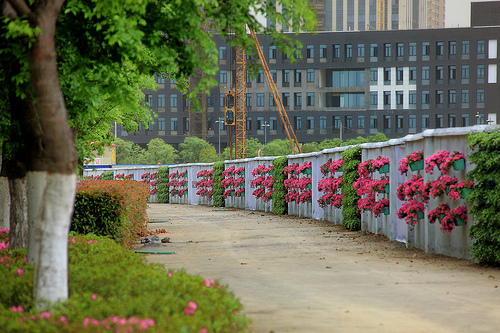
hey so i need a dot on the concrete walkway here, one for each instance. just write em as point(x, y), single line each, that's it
point(302, 275)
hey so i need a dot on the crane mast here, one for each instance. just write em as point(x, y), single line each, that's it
point(241, 102)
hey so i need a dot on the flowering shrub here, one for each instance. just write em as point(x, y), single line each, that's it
point(410, 159)
point(204, 185)
point(177, 183)
point(233, 182)
point(263, 183)
point(298, 188)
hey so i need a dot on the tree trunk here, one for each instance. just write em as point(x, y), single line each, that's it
point(4, 203)
point(18, 235)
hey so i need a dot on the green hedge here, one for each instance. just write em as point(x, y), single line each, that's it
point(485, 197)
point(218, 190)
point(163, 190)
point(280, 206)
point(107, 175)
point(350, 211)
point(113, 208)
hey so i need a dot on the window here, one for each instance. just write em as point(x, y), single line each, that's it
point(310, 51)
point(465, 71)
point(452, 72)
point(322, 51)
point(272, 123)
point(412, 49)
point(221, 100)
point(260, 123)
point(249, 100)
point(149, 99)
point(480, 96)
point(465, 96)
point(160, 79)
point(173, 100)
point(452, 120)
point(481, 47)
point(399, 99)
point(336, 51)
point(186, 101)
point(272, 52)
point(425, 97)
point(480, 72)
point(373, 122)
point(345, 100)
point(465, 47)
point(465, 119)
point(439, 48)
point(361, 50)
point(439, 121)
point(399, 74)
point(345, 78)
point(336, 122)
point(310, 99)
point(260, 76)
point(274, 75)
point(271, 100)
point(297, 99)
point(210, 100)
point(222, 53)
point(452, 48)
point(348, 50)
point(310, 75)
point(285, 98)
point(480, 118)
point(452, 96)
point(400, 50)
point(249, 123)
point(373, 74)
point(249, 78)
point(426, 48)
point(161, 124)
point(173, 124)
point(361, 122)
point(439, 72)
point(298, 54)
point(387, 74)
point(223, 76)
point(322, 122)
point(161, 101)
point(387, 98)
point(298, 122)
point(412, 97)
point(286, 76)
point(413, 73)
point(298, 76)
point(185, 122)
point(348, 121)
point(425, 121)
point(387, 122)
point(310, 122)
point(373, 98)
point(412, 121)
point(387, 49)
point(373, 50)
point(260, 99)
point(425, 72)
point(439, 97)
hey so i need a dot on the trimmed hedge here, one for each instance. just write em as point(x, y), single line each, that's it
point(112, 208)
point(350, 211)
point(218, 190)
point(280, 207)
point(163, 190)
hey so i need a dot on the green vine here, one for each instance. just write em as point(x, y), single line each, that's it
point(280, 206)
point(163, 190)
point(218, 190)
point(485, 197)
point(350, 211)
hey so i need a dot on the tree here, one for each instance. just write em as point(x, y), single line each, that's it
point(252, 148)
point(113, 32)
point(329, 143)
point(208, 155)
point(128, 152)
point(191, 149)
point(309, 147)
point(160, 152)
point(277, 147)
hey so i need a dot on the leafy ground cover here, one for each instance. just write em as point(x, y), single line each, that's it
point(114, 289)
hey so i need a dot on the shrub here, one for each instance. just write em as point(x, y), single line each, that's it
point(218, 190)
point(163, 195)
point(115, 288)
point(107, 175)
point(112, 208)
point(280, 206)
point(350, 211)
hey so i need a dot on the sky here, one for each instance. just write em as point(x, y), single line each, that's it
point(458, 12)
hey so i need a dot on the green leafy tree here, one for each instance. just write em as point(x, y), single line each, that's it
point(161, 152)
point(252, 148)
point(329, 143)
point(208, 154)
point(310, 147)
point(277, 147)
point(128, 152)
point(191, 149)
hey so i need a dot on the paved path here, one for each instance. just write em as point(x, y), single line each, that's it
point(302, 275)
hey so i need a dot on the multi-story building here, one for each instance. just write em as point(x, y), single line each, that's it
point(354, 15)
point(360, 83)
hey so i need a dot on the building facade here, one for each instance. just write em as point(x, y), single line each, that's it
point(351, 84)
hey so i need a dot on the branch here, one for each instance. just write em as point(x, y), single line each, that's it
point(15, 8)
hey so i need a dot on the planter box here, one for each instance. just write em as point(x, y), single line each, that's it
point(384, 169)
point(418, 165)
point(464, 193)
point(420, 215)
point(459, 221)
point(386, 210)
point(459, 164)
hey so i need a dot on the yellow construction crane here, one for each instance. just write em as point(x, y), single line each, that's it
point(381, 14)
point(235, 103)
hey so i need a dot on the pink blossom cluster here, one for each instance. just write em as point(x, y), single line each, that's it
point(149, 178)
point(190, 309)
point(448, 162)
point(331, 166)
point(410, 159)
point(204, 185)
point(298, 197)
point(456, 189)
point(438, 187)
point(447, 216)
point(205, 173)
point(302, 168)
point(365, 168)
point(297, 183)
point(436, 160)
point(367, 187)
point(378, 162)
point(262, 169)
point(290, 169)
point(121, 176)
point(409, 211)
point(233, 182)
point(263, 183)
point(211, 283)
point(413, 188)
point(120, 324)
point(177, 187)
point(4, 245)
point(297, 189)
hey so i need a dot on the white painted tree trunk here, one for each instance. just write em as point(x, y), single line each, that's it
point(56, 208)
point(37, 181)
point(18, 235)
point(4, 203)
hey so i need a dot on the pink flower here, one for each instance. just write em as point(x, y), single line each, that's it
point(94, 296)
point(18, 308)
point(45, 315)
point(63, 320)
point(169, 274)
point(203, 330)
point(190, 308)
point(20, 271)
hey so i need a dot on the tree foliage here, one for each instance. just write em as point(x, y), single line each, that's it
point(128, 152)
point(191, 149)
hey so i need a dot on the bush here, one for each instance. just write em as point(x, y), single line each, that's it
point(107, 175)
point(351, 217)
point(114, 208)
point(110, 286)
point(218, 190)
point(163, 190)
point(280, 206)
